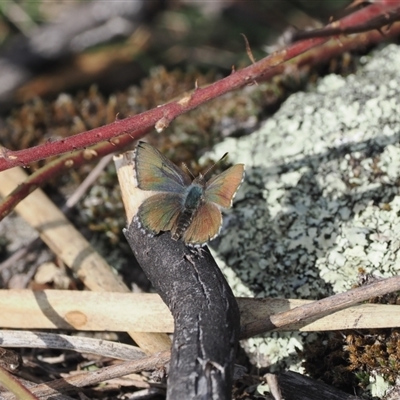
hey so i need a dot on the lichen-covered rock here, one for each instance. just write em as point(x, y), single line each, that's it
point(321, 196)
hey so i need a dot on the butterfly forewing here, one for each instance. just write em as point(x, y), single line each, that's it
point(155, 172)
point(204, 226)
point(160, 212)
point(222, 188)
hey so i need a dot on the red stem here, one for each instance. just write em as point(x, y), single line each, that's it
point(163, 115)
point(59, 166)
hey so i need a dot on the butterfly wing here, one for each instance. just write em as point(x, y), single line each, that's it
point(205, 226)
point(155, 172)
point(222, 188)
point(159, 212)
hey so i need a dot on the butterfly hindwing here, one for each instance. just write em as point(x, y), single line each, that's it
point(222, 188)
point(160, 212)
point(205, 225)
point(156, 173)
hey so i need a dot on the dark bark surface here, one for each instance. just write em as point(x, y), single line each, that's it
point(205, 312)
point(299, 387)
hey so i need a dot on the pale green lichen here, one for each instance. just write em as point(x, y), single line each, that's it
point(378, 386)
point(321, 198)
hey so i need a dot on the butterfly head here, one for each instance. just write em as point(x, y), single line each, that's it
point(200, 180)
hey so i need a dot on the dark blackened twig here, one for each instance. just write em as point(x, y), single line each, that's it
point(205, 312)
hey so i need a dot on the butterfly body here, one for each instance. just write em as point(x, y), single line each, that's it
point(189, 209)
point(193, 200)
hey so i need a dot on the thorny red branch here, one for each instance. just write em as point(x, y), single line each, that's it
point(163, 115)
point(335, 28)
point(60, 165)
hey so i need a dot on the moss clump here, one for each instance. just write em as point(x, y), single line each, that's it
point(351, 358)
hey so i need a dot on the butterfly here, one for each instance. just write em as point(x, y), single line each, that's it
point(189, 208)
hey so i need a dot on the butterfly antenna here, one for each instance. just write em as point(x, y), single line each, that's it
point(188, 170)
point(212, 166)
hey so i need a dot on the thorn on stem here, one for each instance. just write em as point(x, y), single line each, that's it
point(248, 49)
